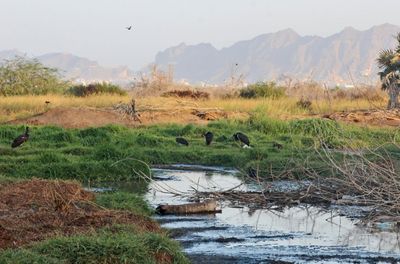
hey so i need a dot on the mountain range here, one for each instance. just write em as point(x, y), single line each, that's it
point(346, 57)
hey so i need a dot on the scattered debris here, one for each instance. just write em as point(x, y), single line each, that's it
point(209, 115)
point(128, 110)
point(371, 117)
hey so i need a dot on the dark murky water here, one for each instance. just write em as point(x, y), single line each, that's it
point(242, 235)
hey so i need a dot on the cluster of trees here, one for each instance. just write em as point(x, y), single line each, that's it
point(24, 76)
point(21, 76)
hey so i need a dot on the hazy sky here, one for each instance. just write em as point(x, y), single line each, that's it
point(96, 28)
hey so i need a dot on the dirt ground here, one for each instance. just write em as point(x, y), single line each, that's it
point(368, 117)
point(92, 117)
point(37, 209)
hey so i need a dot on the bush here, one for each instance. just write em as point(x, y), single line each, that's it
point(187, 94)
point(95, 88)
point(263, 90)
point(304, 104)
point(23, 76)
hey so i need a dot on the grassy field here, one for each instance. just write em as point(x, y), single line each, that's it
point(15, 107)
point(111, 153)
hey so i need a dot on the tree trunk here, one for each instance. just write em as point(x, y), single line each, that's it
point(393, 97)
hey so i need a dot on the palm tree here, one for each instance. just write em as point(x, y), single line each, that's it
point(389, 63)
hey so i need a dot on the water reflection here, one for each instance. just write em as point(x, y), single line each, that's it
point(290, 233)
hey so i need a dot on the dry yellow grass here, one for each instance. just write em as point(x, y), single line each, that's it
point(15, 107)
point(277, 108)
point(285, 108)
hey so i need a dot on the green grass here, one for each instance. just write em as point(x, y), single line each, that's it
point(112, 245)
point(111, 153)
point(124, 201)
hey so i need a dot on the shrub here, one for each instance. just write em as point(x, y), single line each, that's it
point(95, 88)
point(304, 104)
point(23, 76)
point(262, 90)
point(187, 94)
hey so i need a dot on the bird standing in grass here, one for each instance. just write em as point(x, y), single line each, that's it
point(242, 138)
point(21, 139)
point(209, 137)
point(277, 145)
point(182, 141)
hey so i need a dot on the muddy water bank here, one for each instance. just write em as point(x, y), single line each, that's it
point(301, 234)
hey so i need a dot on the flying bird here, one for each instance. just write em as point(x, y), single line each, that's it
point(129, 28)
point(21, 139)
point(182, 141)
point(242, 138)
point(209, 137)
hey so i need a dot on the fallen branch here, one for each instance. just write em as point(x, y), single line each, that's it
point(191, 208)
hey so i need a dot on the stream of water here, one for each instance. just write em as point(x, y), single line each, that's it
point(302, 234)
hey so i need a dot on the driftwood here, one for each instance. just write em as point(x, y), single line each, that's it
point(209, 206)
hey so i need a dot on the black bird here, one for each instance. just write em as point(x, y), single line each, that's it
point(47, 102)
point(277, 145)
point(242, 138)
point(129, 28)
point(209, 137)
point(182, 141)
point(251, 172)
point(21, 139)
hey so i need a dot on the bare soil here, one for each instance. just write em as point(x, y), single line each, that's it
point(92, 117)
point(37, 209)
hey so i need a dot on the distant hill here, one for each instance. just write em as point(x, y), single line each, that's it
point(331, 59)
point(336, 59)
point(9, 54)
point(77, 68)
